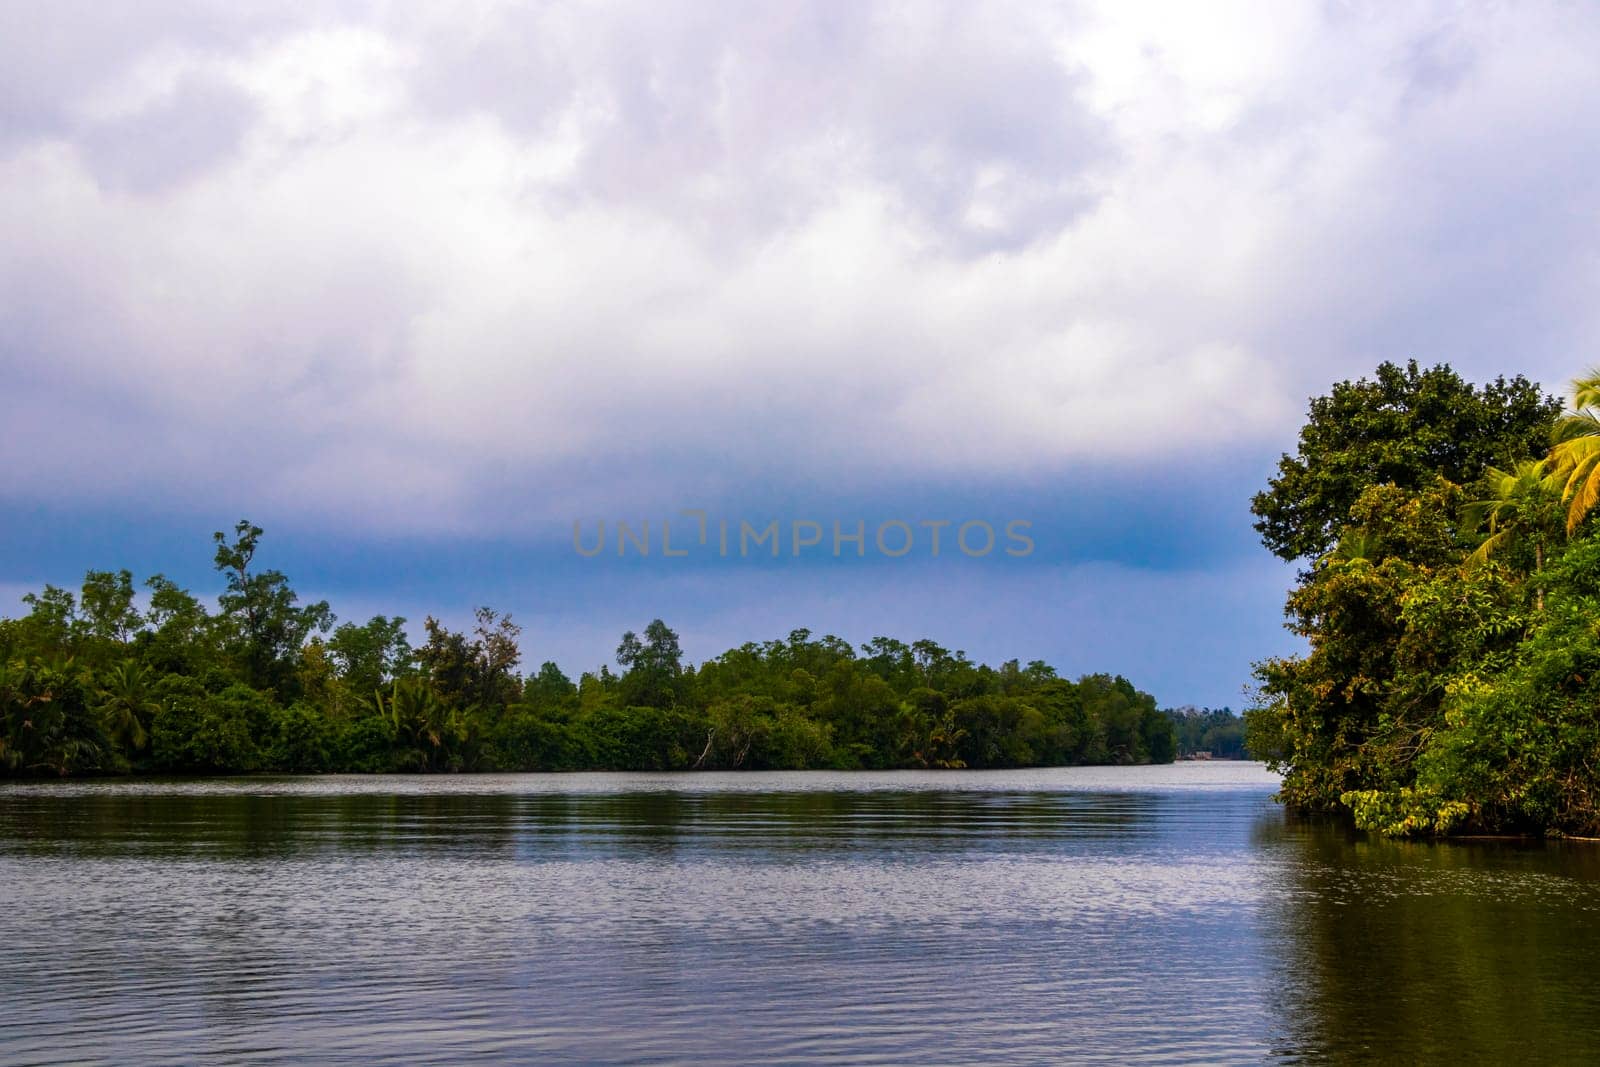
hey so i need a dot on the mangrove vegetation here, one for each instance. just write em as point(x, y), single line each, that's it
point(108, 681)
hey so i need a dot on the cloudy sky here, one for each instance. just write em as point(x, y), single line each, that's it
point(415, 286)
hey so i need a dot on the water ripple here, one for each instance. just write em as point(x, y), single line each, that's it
point(1141, 915)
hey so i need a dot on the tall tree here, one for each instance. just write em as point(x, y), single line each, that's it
point(269, 628)
point(1521, 511)
point(1575, 456)
point(107, 606)
point(127, 705)
point(477, 671)
point(1405, 427)
point(180, 634)
point(652, 668)
point(372, 654)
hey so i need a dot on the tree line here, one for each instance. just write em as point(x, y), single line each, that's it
point(106, 682)
point(1449, 593)
point(1215, 732)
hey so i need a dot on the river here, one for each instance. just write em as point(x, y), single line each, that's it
point(1137, 915)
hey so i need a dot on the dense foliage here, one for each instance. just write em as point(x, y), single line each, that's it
point(95, 683)
point(1217, 733)
point(1452, 682)
point(1403, 427)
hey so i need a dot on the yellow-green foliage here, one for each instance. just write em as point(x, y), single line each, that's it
point(1405, 812)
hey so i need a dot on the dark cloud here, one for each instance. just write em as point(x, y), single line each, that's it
point(411, 274)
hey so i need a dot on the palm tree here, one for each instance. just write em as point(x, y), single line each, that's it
point(125, 705)
point(1518, 505)
point(1356, 543)
point(46, 722)
point(14, 703)
point(422, 718)
point(1575, 451)
point(1520, 508)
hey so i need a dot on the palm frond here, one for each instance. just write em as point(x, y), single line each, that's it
point(1586, 390)
point(1491, 544)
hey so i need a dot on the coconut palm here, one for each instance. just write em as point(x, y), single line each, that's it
point(1521, 510)
point(1517, 509)
point(1356, 543)
point(126, 706)
point(46, 721)
point(14, 703)
point(420, 717)
point(1575, 452)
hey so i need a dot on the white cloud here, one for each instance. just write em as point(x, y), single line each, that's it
point(441, 273)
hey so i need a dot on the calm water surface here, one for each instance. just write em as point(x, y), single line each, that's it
point(1092, 915)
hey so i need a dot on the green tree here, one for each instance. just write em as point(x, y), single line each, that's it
point(47, 724)
point(208, 733)
point(652, 668)
point(90, 684)
point(1157, 735)
point(428, 726)
point(108, 612)
point(127, 705)
point(1386, 631)
point(179, 636)
point(1521, 510)
point(269, 629)
point(476, 671)
point(52, 621)
point(1119, 715)
point(371, 655)
point(1403, 427)
point(1418, 708)
point(550, 689)
point(1575, 454)
point(301, 740)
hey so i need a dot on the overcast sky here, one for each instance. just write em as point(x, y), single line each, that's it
point(414, 286)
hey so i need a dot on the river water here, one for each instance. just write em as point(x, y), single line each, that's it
point(1135, 915)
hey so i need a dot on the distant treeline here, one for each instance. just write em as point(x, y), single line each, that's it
point(91, 683)
point(1218, 733)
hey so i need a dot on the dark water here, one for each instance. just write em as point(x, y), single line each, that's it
point(1139, 915)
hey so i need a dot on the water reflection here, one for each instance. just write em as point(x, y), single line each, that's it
point(239, 826)
point(1144, 915)
point(1408, 952)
